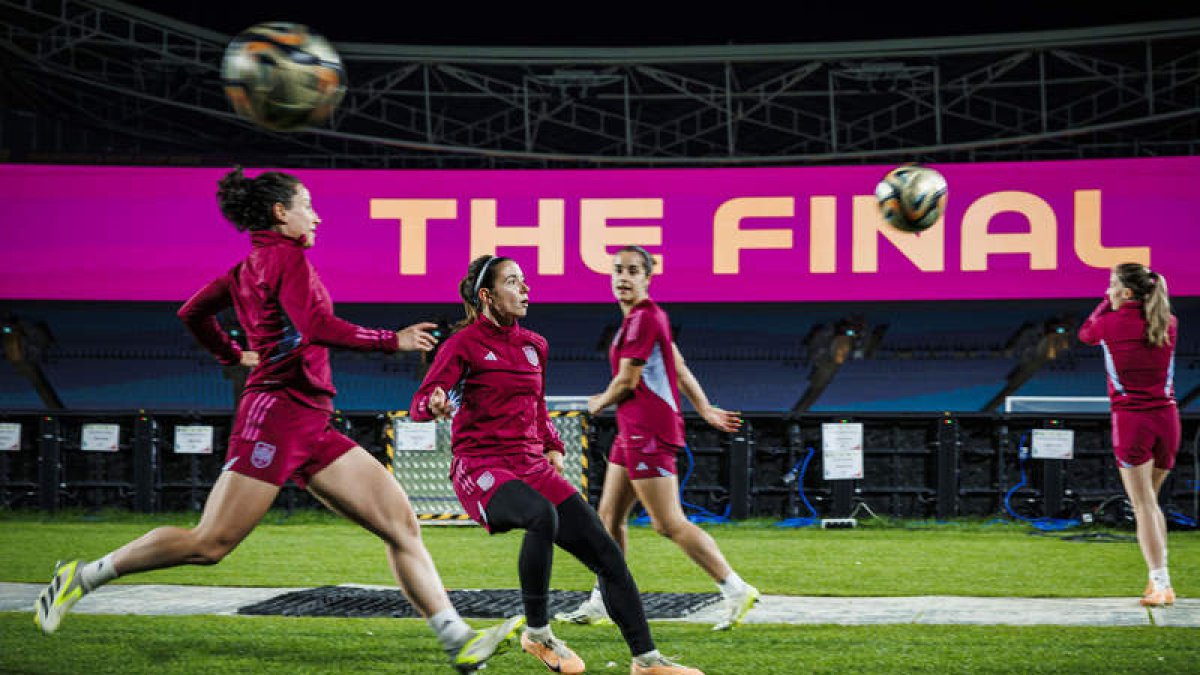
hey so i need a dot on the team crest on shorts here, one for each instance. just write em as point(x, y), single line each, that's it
point(262, 456)
point(531, 356)
point(486, 481)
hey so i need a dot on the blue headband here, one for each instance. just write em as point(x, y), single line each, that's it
point(479, 280)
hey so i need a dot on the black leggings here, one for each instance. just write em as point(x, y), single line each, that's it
point(576, 528)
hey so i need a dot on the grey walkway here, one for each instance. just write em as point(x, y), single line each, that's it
point(158, 599)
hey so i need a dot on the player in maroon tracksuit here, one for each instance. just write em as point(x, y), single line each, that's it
point(282, 429)
point(648, 373)
point(1135, 328)
point(507, 465)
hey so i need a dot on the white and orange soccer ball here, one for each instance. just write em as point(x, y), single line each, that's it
point(911, 198)
point(283, 76)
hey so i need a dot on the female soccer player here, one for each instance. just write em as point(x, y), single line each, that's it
point(282, 428)
point(507, 462)
point(1135, 327)
point(648, 372)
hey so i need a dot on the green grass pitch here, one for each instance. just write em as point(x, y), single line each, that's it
point(310, 549)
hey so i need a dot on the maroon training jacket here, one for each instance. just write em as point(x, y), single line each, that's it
point(502, 406)
point(1140, 376)
point(288, 318)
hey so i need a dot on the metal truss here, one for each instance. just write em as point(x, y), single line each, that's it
point(98, 80)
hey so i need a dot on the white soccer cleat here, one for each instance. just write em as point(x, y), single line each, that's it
point(660, 665)
point(737, 605)
point(590, 612)
point(485, 644)
point(64, 590)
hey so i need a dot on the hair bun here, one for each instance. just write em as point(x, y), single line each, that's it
point(247, 202)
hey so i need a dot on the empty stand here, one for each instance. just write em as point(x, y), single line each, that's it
point(922, 356)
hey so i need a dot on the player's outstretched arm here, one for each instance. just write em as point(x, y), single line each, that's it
point(417, 337)
point(688, 384)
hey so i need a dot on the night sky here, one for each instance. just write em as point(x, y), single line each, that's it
point(446, 22)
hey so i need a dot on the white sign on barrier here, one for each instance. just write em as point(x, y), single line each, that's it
point(1052, 444)
point(411, 435)
point(194, 439)
point(842, 450)
point(100, 438)
point(10, 437)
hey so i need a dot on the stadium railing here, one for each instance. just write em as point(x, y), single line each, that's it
point(915, 465)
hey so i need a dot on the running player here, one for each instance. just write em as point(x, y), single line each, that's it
point(507, 465)
point(282, 429)
point(1135, 327)
point(648, 373)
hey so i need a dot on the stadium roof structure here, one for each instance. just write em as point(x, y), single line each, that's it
point(100, 81)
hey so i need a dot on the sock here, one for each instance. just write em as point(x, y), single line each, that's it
point(648, 658)
point(451, 630)
point(539, 633)
point(1160, 578)
point(97, 573)
point(596, 597)
point(732, 584)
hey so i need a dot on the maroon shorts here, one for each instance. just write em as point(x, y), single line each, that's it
point(643, 456)
point(476, 477)
point(276, 438)
point(1143, 435)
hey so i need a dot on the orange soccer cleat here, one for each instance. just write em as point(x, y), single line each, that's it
point(1163, 598)
point(553, 652)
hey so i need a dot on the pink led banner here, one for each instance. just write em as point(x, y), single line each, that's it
point(1029, 230)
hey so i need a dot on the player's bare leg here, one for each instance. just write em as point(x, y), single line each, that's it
point(660, 496)
point(235, 506)
point(360, 488)
point(1141, 485)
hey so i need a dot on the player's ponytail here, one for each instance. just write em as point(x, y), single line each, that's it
point(1157, 309)
point(248, 202)
point(481, 273)
point(1150, 289)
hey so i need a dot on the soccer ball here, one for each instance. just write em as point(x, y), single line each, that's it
point(911, 198)
point(283, 76)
